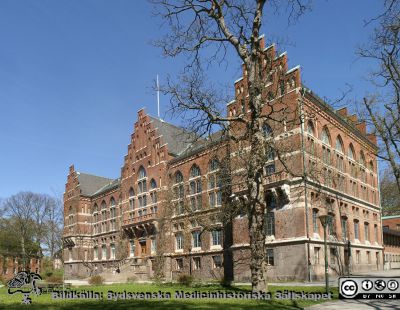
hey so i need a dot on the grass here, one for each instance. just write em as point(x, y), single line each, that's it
point(45, 301)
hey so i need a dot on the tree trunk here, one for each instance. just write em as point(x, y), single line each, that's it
point(257, 246)
point(23, 250)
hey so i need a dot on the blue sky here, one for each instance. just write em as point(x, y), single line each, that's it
point(73, 75)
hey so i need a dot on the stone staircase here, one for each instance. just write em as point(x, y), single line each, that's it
point(136, 268)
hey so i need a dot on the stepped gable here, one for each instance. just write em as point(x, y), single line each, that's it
point(89, 184)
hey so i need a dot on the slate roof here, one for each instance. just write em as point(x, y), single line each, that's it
point(177, 138)
point(90, 184)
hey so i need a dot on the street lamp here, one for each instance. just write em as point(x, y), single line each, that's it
point(325, 219)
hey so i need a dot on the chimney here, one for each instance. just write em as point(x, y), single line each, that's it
point(362, 126)
point(353, 118)
point(372, 137)
point(342, 111)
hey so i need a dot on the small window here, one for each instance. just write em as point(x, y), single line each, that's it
point(179, 264)
point(178, 177)
point(195, 171)
point(270, 257)
point(196, 263)
point(213, 165)
point(217, 261)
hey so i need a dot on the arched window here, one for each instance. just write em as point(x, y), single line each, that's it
point(310, 128)
point(142, 173)
point(213, 165)
point(95, 208)
point(350, 152)
point(112, 202)
point(363, 174)
point(362, 159)
point(339, 157)
point(339, 144)
point(178, 177)
point(214, 184)
point(195, 171)
point(103, 205)
point(179, 190)
point(153, 193)
point(131, 199)
point(267, 130)
point(371, 166)
point(325, 136)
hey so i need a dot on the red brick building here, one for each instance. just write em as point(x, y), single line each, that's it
point(127, 219)
point(391, 241)
point(10, 265)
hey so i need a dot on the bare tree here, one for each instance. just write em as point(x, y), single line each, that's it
point(390, 194)
point(22, 209)
point(382, 108)
point(53, 220)
point(205, 31)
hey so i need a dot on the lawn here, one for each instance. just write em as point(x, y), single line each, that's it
point(45, 301)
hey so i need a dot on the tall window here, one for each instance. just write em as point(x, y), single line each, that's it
point(214, 184)
point(311, 143)
point(269, 217)
point(366, 231)
point(326, 155)
point(131, 199)
point(196, 239)
point(325, 137)
point(142, 187)
point(339, 154)
point(112, 247)
point(103, 252)
point(350, 152)
point(96, 253)
point(270, 257)
point(310, 128)
point(344, 228)
point(216, 237)
point(356, 230)
point(315, 220)
point(363, 174)
point(179, 241)
point(153, 192)
point(195, 188)
point(376, 233)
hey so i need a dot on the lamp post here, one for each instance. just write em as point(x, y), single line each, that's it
point(324, 221)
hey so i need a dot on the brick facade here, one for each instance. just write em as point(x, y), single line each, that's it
point(391, 240)
point(10, 265)
point(144, 214)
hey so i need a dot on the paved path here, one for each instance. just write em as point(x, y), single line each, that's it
point(350, 304)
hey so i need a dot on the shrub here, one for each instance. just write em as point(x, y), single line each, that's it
point(131, 279)
point(185, 279)
point(96, 280)
point(54, 279)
